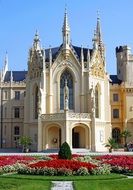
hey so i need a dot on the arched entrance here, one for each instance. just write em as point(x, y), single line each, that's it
point(79, 137)
point(54, 137)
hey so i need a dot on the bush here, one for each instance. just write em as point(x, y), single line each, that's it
point(82, 171)
point(102, 169)
point(64, 172)
point(84, 158)
point(65, 152)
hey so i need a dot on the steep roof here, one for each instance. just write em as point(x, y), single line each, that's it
point(77, 50)
point(115, 80)
point(16, 75)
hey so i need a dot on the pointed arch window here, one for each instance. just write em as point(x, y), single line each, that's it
point(66, 75)
point(96, 102)
point(36, 103)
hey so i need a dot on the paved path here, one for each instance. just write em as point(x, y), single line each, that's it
point(79, 151)
point(62, 185)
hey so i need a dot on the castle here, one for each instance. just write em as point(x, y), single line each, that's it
point(67, 95)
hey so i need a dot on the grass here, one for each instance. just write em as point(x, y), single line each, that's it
point(105, 182)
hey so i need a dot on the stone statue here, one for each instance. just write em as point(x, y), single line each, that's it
point(92, 95)
point(39, 102)
point(66, 96)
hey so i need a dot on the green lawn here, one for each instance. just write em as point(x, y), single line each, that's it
point(26, 182)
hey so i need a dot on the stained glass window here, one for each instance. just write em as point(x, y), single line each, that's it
point(66, 75)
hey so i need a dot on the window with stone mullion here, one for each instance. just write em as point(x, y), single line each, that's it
point(66, 75)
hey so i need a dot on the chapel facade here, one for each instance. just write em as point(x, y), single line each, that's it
point(64, 96)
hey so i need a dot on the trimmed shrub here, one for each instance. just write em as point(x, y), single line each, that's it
point(65, 152)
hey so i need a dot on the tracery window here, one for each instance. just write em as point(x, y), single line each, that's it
point(66, 75)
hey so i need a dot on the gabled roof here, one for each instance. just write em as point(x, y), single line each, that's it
point(16, 75)
point(77, 49)
point(85, 51)
point(115, 80)
point(54, 51)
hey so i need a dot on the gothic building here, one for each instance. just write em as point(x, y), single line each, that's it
point(64, 96)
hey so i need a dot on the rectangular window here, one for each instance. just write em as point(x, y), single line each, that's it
point(17, 95)
point(16, 112)
point(115, 113)
point(5, 95)
point(115, 97)
point(16, 130)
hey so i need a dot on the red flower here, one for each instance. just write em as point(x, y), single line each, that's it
point(126, 162)
point(69, 164)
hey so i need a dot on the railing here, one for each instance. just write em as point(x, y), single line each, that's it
point(65, 116)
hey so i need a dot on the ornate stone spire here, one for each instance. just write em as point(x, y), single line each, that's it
point(50, 56)
point(82, 55)
point(98, 28)
point(99, 36)
point(36, 43)
point(95, 41)
point(6, 61)
point(66, 30)
point(11, 77)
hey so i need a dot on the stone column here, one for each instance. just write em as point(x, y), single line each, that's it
point(40, 131)
point(93, 125)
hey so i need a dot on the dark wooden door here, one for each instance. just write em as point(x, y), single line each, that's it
point(75, 140)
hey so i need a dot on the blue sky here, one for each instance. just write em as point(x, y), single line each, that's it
point(19, 20)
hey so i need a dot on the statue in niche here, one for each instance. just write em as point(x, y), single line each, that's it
point(66, 96)
point(92, 96)
point(39, 102)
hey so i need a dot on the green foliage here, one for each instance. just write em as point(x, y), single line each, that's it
point(25, 141)
point(111, 144)
point(65, 151)
point(102, 169)
point(64, 172)
point(82, 171)
point(85, 158)
point(125, 134)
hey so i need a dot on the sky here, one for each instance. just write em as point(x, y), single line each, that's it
point(19, 19)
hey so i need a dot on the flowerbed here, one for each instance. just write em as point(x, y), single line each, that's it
point(78, 165)
point(12, 163)
point(119, 164)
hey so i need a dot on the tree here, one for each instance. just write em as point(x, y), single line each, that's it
point(65, 151)
point(125, 134)
point(111, 144)
point(25, 141)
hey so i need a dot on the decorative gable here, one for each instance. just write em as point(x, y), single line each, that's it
point(97, 68)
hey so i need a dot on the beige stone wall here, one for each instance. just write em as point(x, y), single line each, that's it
point(9, 122)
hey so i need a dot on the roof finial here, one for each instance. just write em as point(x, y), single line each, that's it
point(36, 43)
point(50, 56)
point(95, 40)
point(82, 55)
point(66, 29)
point(98, 27)
point(11, 76)
point(6, 61)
